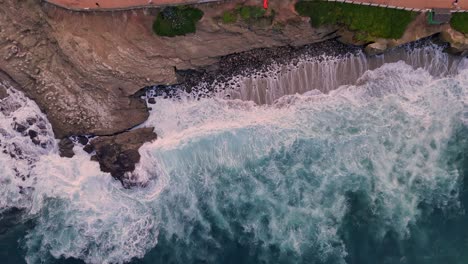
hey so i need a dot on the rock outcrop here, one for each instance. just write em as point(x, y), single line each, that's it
point(83, 68)
point(119, 154)
point(458, 41)
point(74, 102)
point(418, 29)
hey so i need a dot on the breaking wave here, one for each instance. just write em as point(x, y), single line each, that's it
point(300, 180)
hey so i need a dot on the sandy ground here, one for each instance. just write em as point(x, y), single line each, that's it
point(122, 4)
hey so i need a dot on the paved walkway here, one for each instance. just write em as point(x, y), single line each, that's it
point(419, 4)
point(128, 4)
point(119, 4)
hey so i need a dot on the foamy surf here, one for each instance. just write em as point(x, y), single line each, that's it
point(273, 183)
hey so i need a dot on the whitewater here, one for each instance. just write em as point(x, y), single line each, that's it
point(369, 172)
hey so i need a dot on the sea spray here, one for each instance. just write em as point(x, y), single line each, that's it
point(20, 119)
point(322, 72)
point(231, 181)
point(274, 182)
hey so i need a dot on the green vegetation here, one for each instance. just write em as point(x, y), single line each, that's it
point(248, 14)
point(229, 16)
point(176, 21)
point(370, 22)
point(459, 22)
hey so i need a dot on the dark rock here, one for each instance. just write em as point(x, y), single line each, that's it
point(118, 154)
point(3, 93)
point(32, 134)
point(31, 120)
point(20, 128)
point(36, 141)
point(66, 148)
point(82, 140)
point(152, 101)
point(88, 148)
point(41, 126)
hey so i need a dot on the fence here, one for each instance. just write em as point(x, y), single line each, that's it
point(391, 6)
point(55, 3)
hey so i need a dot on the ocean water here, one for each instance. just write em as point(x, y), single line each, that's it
point(372, 172)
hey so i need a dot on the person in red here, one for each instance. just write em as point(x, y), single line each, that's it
point(265, 4)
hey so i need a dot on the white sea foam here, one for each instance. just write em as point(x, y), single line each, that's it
point(326, 73)
point(274, 175)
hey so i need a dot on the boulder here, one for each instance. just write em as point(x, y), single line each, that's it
point(66, 148)
point(119, 154)
point(376, 48)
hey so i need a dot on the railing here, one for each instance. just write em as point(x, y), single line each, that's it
point(391, 6)
point(145, 6)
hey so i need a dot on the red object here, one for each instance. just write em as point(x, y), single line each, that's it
point(265, 4)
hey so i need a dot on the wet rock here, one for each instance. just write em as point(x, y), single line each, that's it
point(119, 154)
point(32, 134)
point(20, 128)
point(36, 141)
point(66, 148)
point(82, 140)
point(89, 149)
point(151, 101)
point(41, 126)
point(31, 120)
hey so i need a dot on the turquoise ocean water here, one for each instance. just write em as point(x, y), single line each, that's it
point(368, 173)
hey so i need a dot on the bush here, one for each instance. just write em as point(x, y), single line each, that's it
point(176, 21)
point(249, 13)
point(229, 16)
point(374, 21)
point(459, 22)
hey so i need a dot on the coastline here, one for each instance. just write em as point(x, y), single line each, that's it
point(87, 70)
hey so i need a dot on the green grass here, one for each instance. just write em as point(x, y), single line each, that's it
point(459, 22)
point(177, 21)
point(370, 21)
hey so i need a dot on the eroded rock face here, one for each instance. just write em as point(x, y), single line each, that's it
point(119, 154)
point(458, 41)
point(83, 68)
point(75, 102)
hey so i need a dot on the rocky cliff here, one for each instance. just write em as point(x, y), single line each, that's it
point(83, 68)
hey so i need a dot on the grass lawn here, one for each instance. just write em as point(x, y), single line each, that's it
point(372, 21)
point(176, 21)
point(459, 22)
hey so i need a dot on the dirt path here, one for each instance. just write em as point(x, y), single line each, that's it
point(127, 4)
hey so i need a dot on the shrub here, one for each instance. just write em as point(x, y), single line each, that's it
point(375, 21)
point(176, 21)
point(229, 16)
point(249, 13)
point(459, 22)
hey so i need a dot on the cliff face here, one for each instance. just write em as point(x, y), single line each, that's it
point(83, 68)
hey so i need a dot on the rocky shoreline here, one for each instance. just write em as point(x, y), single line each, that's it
point(86, 71)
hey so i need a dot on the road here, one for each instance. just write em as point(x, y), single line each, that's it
point(129, 4)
